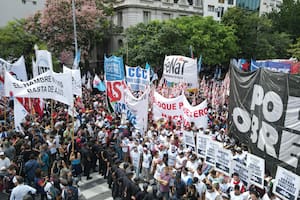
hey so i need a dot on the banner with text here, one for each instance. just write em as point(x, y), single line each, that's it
point(256, 166)
point(223, 160)
point(137, 78)
point(287, 184)
point(179, 110)
point(180, 69)
point(113, 68)
point(49, 85)
point(136, 109)
point(189, 140)
point(265, 107)
point(201, 145)
point(242, 170)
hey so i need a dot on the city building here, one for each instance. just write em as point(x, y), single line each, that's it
point(216, 8)
point(131, 12)
point(17, 9)
point(266, 6)
point(252, 5)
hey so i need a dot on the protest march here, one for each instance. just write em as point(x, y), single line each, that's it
point(181, 136)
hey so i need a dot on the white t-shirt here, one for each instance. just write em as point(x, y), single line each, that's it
point(125, 145)
point(135, 156)
point(192, 165)
point(159, 169)
point(201, 188)
point(212, 195)
point(146, 160)
point(171, 158)
point(180, 161)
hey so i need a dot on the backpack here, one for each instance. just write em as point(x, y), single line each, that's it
point(71, 193)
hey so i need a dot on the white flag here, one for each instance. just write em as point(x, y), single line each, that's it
point(19, 69)
point(43, 61)
point(19, 114)
point(76, 80)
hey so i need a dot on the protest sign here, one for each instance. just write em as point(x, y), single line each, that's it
point(287, 184)
point(223, 160)
point(201, 145)
point(180, 69)
point(189, 139)
point(113, 68)
point(211, 149)
point(179, 110)
point(49, 85)
point(242, 170)
point(137, 78)
point(256, 166)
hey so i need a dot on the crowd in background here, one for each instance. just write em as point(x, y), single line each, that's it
point(43, 159)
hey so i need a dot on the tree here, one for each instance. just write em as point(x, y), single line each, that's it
point(256, 35)
point(295, 49)
point(15, 42)
point(287, 18)
point(151, 42)
point(55, 26)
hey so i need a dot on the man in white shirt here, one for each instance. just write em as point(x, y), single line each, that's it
point(135, 160)
point(147, 158)
point(20, 190)
point(4, 161)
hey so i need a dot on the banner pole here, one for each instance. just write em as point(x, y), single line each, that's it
point(4, 110)
point(51, 113)
point(73, 128)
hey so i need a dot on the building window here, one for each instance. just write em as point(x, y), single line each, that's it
point(146, 17)
point(230, 2)
point(166, 16)
point(221, 1)
point(198, 2)
point(120, 19)
point(211, 8)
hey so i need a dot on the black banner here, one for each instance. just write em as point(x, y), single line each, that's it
point(265, 114)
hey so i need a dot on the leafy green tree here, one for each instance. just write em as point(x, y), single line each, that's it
point(256, 35)
point(150, 43)
point(15, 42)
point(295, 49)
point(287, 18)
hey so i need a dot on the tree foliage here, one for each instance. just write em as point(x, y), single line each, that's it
point(295, 49)
point(150, 43)
point(257, 38)
point(55, 25)
point(15, 41)
point(287, 18)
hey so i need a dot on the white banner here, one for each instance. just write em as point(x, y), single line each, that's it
point(19, 114)
point(43, 62)
point(242, 170)
point(49, 85)
point(201, 145)
point(76, 80)
point(179, 109)
point(223, 160)
point(211, 149)
point(137, 78)
point(138, 107)
point(180, 69)
point(287, 184)
point(17, 69)
point(256, 166)
point(189, 140)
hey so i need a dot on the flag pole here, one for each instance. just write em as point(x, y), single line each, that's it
point(51, 113)
point(73, 128)
point(74, 26)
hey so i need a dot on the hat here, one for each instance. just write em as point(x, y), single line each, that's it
point(1, 153)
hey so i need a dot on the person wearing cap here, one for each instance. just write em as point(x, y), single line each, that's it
point(21, 189)
point(4, 161)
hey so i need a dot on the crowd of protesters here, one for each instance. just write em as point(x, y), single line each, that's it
point(47, 159)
